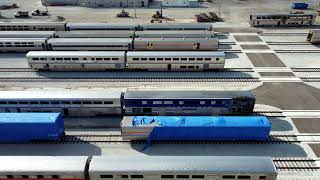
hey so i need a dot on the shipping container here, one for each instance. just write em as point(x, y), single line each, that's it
point(215, 128)
point(300, 5)
point(25, 127)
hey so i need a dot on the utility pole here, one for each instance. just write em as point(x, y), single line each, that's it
point(219, 7)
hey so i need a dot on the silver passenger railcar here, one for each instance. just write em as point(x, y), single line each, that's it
point(102, 26)
point(26, 34)
point(201, 103)
point(76, 60)
point(22, 44)
point(176, 44)
point(282, 19)
point(182, 167)
point(32, 26)
point(176, 26)
point(175, 34)
point(95, 34)
point(42, 167)
point(175, 60)
point(314, 36)
point(68, 103)
point(89, 44)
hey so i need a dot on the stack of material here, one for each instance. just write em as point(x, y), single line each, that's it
point(212, 128)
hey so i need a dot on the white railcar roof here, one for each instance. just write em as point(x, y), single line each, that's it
point(32, 23)
point(97, 33)
point(281, 14)
point(176, 54)
point(176, 40)
point(102, 25)
point(177, 26)
point(183, 164)
point(90, 40)
point(133, 94)
point(45, 164)
point(23, 39)
point(26, 34)
point(61, 95)
point(76, 53)
point(204, 32)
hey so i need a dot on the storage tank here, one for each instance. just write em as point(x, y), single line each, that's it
point(25, 127)
point(300, 5)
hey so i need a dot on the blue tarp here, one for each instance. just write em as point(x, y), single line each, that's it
point(214, 128)
point(24, 127)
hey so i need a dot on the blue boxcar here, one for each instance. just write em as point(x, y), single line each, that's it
point(231, 128)
point(25, 127)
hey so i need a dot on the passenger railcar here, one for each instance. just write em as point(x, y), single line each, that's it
point(95, 34)
point(188, 102)
point(176, 26)
point(68, 103)
point(176, 44)
point(26, 34)
point(22, 44)
point(42, 167)
point(89, 44)
point(102, 26)
point(32, 26)
point(175, 34)
point(282, 19)
point(182, 167)
point(76, 60)
point(175, 60)
point(314, 36)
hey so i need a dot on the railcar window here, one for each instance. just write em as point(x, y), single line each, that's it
point(213, 102)
point(3, 102)
point(143, 59)
point(55, 102)
point(97, 102)
point(9, 176)
point(167, 59)
point(76, 102)
point(135, 59)
point(44, 102)
point(190, 67)
point(157, 102)
point(67, 59)
point(168, 102)
point(262, 177)
point(243, 177)
point(66, 102)
point(92, 59)
point(208, 59)
point(115, 59)
point(24, 102)
point(184, 59)
point(136, 176)
point(34, 102)
point(107, 102)
point(159, 59)
point(59, 59)
point(87, 102)
point(124, 176)
point(106, 176)
point(202, 102)
point(217, 59)
point(55, 176)
point(228, 177)
point(39, 176)
point(167, 176)
point(183, 67)
point(75, 59)
point(99, 59)
point(13, 102)
point(181, 102)
point(182, 176)
point(258, 17)
point(35, 59)
point(85, 59)
point(144, 102)
point(106, 59)
point(175, 59)
point(199, 59)
point(53, 59)
point(25, 176)
point(197, 176)
point(152, 59)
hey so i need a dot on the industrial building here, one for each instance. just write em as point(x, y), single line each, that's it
point(97, 3)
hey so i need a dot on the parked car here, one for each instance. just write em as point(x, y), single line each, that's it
point(38, 12)
point(21, 14)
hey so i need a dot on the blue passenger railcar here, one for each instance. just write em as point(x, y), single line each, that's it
point(25, 127)
point(188, 102)
point(215, 128)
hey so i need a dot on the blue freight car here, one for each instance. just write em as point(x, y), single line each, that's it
point(300, 5)
point(215, 128)
point(25, 127)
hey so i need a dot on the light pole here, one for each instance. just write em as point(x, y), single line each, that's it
point(219, 7)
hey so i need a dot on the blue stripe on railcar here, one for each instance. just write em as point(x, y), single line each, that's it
point(227, 102)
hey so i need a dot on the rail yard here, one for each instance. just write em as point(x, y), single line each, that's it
point(161, 101)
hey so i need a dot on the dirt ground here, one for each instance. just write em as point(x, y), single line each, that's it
point(232, 11)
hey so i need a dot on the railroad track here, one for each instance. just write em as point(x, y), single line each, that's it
point(312, 79)
point(295, 164)
point(305, 69)
point(297, 51)
point(117, 139)
point(227, 43)
point(288, 43)
point(131, 80)
point(283, 34)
